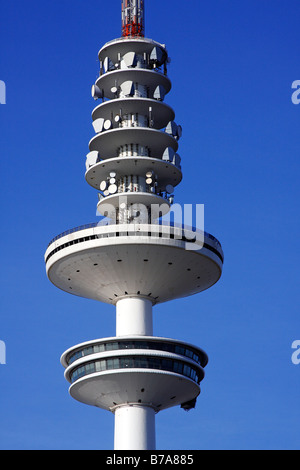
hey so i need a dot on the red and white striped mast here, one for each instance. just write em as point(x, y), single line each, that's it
point(133, 18)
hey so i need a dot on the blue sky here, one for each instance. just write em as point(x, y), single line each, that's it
point(233, 65)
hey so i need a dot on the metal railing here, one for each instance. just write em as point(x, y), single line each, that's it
point(106, 222)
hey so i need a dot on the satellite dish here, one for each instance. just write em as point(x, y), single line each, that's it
point(168, 154)
point(127, 88)
point(159, 93)
point(103, 185)
point(149, 180)
point(112, 189)
point(96, 92)
point(112, 180)
point(112, 174)
point(156, 55)
point(169, 188)
point(118, 118)
point(114, 89)
point(130, 59)
point(98, 125)
point(107, 124)
point(91, 159)
point(108, 65)
point(179, 131)
point(172, 128)
point(106, 192)
point(177, 160)
point(149, 174)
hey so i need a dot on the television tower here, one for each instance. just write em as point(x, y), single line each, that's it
point(131, 258)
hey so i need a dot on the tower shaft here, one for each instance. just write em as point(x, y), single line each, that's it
point(134, 317)
point(134, 424)
point(134, 428)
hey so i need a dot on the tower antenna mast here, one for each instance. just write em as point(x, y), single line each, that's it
point(133, 18)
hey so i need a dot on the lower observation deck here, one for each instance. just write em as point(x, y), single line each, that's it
point(159, 262)
point(147, 371)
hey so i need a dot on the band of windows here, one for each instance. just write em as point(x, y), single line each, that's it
point(153, 345)
point(142, 362)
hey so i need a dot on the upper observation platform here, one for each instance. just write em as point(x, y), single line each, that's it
point(107, 263)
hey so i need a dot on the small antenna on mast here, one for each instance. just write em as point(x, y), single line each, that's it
point(133, 18)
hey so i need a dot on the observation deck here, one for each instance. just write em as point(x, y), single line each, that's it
point(110, 262)
point(146, 371)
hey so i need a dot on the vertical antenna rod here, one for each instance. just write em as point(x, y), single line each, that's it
point(133, 18)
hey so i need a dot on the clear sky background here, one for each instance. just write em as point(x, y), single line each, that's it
point(233, 65)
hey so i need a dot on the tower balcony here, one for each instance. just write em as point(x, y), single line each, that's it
point(148, 79)
point(117, 48)
point(108, 143)
point(168, 173)
point(158, 114)
point(147, 371)
point(158, 262)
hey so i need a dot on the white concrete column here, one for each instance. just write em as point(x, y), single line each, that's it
point(134, 317)
point(134, 428)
